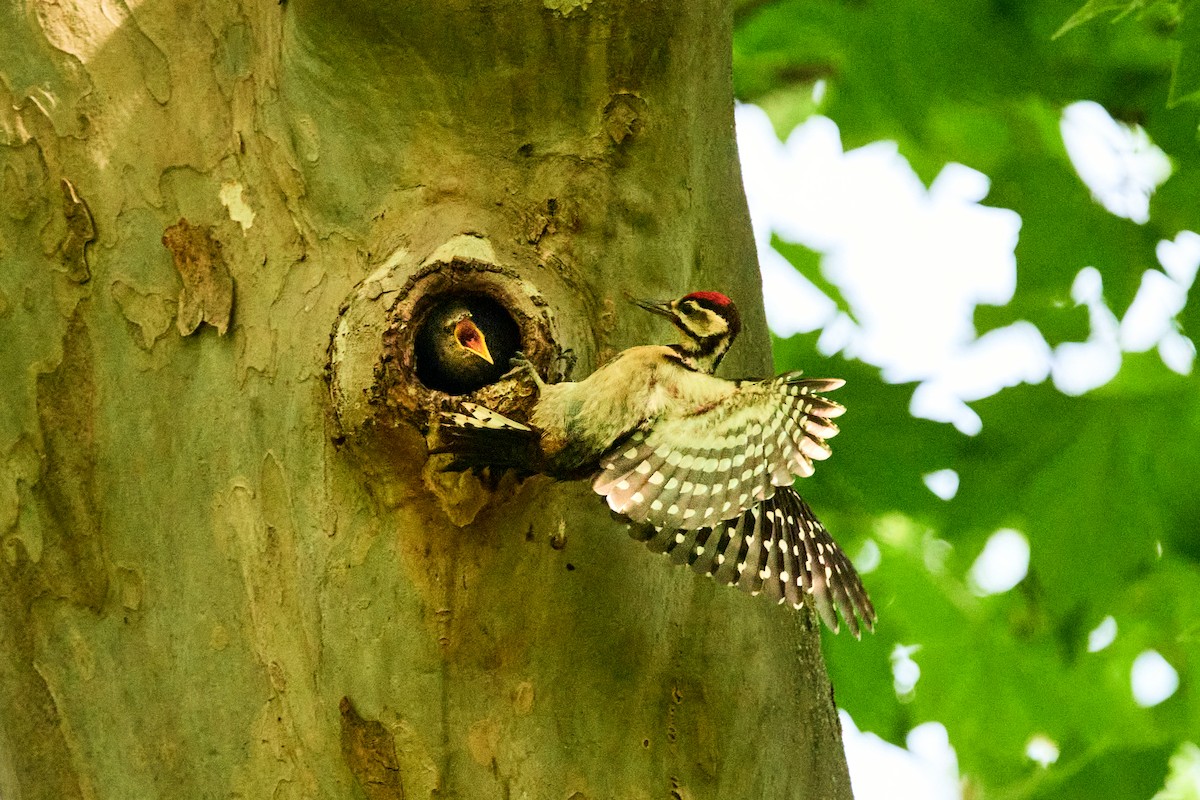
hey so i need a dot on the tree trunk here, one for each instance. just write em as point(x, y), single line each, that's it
point(219, 578)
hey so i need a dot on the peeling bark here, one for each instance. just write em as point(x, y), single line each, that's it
point(370, 752)
point(207, 294)
point(205, 589)
point(72, 562)
point(81, 231)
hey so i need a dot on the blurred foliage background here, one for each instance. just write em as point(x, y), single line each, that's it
point(1104, 485)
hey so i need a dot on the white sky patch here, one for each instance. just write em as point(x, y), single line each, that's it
point(1102, 635)
point(999, 359)
point(1116, 161)
point(793, 304)
point(818, 90)
point(1003, 563)
point(1150, 320)
point(905, 671)
point(1153, 679)
point(239, 210)
point(879, 770)
point(1042, 750)
point(943, 483)
point(869, 557)
point(1080, 367)
point(1180, 258)
point(1178, 352)
point(897, 251)
point(1183, 780)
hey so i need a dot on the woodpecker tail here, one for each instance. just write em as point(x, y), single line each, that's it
point(778, 548)
point(483, 438)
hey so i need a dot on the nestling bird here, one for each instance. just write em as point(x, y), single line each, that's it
point(452, 352)
point(702, 466)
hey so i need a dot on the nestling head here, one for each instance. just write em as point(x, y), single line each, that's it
point(469, 337)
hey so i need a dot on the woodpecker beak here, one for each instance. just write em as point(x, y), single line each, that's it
point(662, 309)
point(469, 337)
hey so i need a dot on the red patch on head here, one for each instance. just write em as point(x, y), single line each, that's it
point(716, 298)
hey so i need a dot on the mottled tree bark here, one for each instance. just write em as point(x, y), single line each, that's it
point(205, 591)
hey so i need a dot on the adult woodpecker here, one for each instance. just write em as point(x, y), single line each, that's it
point(702, 466)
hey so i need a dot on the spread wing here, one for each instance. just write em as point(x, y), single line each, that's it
point(779, 549)
point(696, 470)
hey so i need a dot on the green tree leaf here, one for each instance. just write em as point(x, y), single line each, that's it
point(1102, 485)
point(1098, 8)
point(1185, 80)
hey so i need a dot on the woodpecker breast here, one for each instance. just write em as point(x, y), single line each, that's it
point(584, 420)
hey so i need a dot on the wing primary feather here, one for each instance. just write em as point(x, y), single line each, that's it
point(693, 489)
point(713, 488)
point(633, 494)
point(660, 539)
point(792, 566)
point(801, 524)
point(730, 454)
point(833, 575)
point(778, 548)
point(668, 490)
point(729, 549)
point(773, 572)
point(681, 546)
point(750, 563)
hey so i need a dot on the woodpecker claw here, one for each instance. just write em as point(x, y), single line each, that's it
point(520, 364)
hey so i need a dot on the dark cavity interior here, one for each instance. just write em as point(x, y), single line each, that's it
point(444, 364)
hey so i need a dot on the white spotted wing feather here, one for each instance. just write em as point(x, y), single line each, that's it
point(697, 469)
point(778, 548)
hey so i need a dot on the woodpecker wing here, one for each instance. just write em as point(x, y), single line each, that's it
point(483, 438)
point(697, 469)
point(778, 548)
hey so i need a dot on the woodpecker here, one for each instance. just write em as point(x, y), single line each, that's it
point(701, 466)
point(452, 349)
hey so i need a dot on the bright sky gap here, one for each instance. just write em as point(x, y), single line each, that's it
point(885, 239)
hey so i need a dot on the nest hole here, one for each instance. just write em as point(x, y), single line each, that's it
point(464, 342)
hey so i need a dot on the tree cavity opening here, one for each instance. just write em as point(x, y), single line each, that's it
point(464, 341)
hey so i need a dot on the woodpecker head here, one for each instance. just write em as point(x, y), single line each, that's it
point(709, 321)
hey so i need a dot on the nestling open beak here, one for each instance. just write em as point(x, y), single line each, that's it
point(662, 309)
point(468, 335)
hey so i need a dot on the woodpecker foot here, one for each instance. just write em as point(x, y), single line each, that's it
point(565, 364)
point(520, 364)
